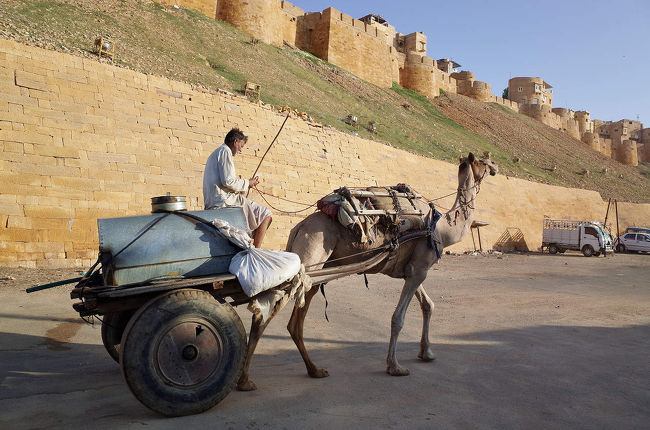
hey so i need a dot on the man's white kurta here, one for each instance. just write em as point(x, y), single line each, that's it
point(221, 186)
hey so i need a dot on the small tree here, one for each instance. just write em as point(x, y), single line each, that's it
point(505, 93)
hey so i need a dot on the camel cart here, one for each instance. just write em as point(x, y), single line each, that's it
point(162, 290)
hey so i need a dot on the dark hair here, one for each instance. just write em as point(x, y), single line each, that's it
point(234, 135)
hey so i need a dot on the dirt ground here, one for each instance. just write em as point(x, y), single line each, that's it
point(522, 341)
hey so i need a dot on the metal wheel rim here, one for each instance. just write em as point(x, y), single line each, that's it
point(189, 353)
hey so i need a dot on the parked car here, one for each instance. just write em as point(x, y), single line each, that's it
point(633, 242)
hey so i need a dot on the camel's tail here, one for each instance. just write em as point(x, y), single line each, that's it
point(292, 235)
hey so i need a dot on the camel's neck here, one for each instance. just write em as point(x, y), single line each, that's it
point(456, 223)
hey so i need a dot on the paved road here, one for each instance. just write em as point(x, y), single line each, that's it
point(523, 341)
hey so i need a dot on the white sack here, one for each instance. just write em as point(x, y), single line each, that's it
point(260, 269)
point(257, 270)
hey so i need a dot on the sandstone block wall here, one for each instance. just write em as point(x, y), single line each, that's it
point(82, 140)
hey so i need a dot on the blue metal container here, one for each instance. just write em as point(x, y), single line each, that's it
point(162, 245)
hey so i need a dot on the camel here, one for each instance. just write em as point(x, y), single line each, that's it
point(318, 239)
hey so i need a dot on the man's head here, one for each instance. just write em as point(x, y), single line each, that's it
point(235, 140)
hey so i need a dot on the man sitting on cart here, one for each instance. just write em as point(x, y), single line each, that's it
point(222, 187)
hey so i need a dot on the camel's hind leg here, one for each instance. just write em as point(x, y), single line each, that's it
point(426, 304)
point(314, 242)
point(258, 325)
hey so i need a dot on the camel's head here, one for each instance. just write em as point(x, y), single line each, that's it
point(479, 166)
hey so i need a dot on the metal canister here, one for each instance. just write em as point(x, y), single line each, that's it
point(168, 203)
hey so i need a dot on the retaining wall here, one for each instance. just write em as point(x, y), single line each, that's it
point(81, 140)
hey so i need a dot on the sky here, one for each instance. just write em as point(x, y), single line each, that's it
point(595, 54)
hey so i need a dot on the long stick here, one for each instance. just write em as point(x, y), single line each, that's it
point(52, 285)
point(267, 150)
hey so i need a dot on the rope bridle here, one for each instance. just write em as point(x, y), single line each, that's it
point(458, 191)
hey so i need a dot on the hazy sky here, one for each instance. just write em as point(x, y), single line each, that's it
point(595, 54)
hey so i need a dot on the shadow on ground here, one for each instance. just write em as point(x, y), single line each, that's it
point(534, 377)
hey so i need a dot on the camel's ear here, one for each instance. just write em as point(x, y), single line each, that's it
point(461, 159)
point(470, 158)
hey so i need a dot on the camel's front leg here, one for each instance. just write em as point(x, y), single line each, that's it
point(296, 326)
point(426, 304)
point(397, 322)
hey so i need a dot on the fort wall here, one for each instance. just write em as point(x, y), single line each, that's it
point(262, 19)
point(357, 47)
point(82, 140)
point(289, 16)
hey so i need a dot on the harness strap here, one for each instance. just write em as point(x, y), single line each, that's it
point(322, 291)
point(432, 227)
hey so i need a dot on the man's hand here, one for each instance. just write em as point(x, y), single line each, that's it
point(252, 182)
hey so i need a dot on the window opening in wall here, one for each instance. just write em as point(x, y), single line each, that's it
point(523, 101)
point(520, 89)
point(537, 88)
point(535, 101)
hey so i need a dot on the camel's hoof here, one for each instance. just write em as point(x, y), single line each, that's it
point(319, 373)
point(247, 386)
point(397, 371)
point(428, 355)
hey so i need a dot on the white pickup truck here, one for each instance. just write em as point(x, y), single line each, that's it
point(589, 237)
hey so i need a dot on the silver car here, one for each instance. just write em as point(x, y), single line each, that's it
point(633, 242)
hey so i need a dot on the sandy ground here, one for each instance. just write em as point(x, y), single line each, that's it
point(523, 341)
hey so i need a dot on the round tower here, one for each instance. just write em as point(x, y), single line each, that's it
point(584, 122)
point(463, 75)
point(626, 153)
point(260, 18)
point(592, 140)
point(418, 75)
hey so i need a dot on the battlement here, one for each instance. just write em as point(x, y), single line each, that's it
point(464, 75)
point(337, 17)
point(416, 60)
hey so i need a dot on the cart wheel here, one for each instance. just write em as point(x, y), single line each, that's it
point(183, 352)
point(113, 326)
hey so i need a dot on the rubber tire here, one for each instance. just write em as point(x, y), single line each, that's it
point(596, 254)
point(113, 326)
point(620, 248)
point(146, 332)
point(553, 249)
point(587, 251)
